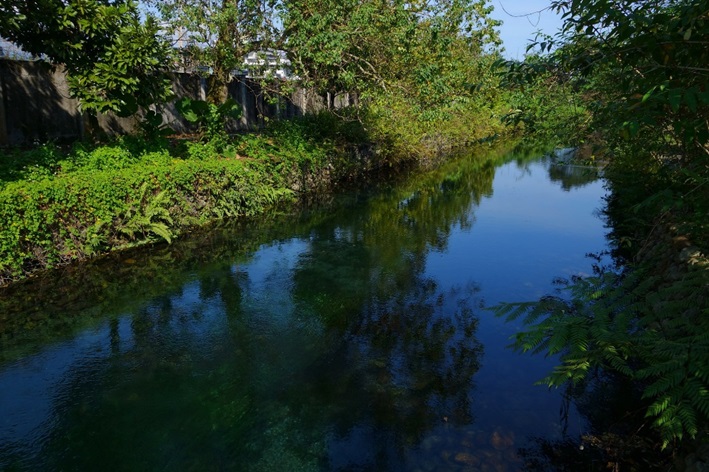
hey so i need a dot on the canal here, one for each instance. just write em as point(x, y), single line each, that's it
point(354, 335)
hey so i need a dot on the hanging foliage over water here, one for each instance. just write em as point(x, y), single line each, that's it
point(639, 67)
point(643, 326)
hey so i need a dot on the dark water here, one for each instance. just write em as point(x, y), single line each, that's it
point(348, 338)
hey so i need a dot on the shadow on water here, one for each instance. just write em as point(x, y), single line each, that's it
point(315, 341)
point(617, 437)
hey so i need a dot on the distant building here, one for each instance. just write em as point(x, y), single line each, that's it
point(257, 64)
point(267, 63)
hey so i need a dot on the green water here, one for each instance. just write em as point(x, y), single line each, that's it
point(351, 336)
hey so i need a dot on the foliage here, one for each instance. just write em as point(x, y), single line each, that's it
point(418, 75)
point(339, 45)
point(639, 68)
point(31, 164)
point(210, 117)
point(354, 46)
point(430, 60)
point(148, 215)
point(114, 61)
point(217, 34)
point(641, 325)
point(405, 132)
point(646, 63)
point(152, 126)
point(66, 205)
point(544, 100)
point(97, 199)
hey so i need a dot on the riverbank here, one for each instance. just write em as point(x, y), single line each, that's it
point(60, 206)
point(67, 298)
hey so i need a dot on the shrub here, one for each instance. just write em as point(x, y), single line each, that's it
point(105, 198)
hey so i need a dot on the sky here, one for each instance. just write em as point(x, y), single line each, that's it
point(521, 20)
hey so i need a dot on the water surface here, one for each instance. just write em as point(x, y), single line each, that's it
point(351, 337)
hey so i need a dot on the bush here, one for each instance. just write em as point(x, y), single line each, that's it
point(55, 208)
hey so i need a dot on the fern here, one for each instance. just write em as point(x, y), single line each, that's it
point(650, 328)
point(148, 216)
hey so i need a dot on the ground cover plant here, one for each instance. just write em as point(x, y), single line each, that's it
point(59, 205)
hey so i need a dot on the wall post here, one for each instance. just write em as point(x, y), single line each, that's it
point(3, 118)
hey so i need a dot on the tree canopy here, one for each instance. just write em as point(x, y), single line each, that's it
point(115, 61)
point(217, 34)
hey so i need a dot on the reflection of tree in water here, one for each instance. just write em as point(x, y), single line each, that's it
point(193, 379)
point(169, 396)
point(572, 176)
point(407, 354)
point(418, 362)
point(561, 169)
point(401, 366)
point(617, 438)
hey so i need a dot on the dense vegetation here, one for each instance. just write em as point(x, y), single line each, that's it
point(419, 75)
point(626, 79)
point(638, 68)
point(59, 206)
point(115, 61)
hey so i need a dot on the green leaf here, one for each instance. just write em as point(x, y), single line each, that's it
point(185, 108)
point(674, 97)
point(648, 94)
point(230, 108)
point(690, 98)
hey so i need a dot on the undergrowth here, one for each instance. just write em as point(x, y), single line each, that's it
point(59, 205)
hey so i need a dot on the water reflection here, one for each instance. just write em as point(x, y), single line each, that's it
point(319, 342)
point(273, 380)
point(572, 176)
point(615, 438)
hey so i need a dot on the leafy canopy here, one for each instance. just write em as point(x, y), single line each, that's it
point(217, 34)
point(114, 61)
point(359, 46)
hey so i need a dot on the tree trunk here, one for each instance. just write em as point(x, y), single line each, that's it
point(221, 71)
point(217, 91)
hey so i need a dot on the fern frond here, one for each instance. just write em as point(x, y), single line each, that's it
point(161, 230)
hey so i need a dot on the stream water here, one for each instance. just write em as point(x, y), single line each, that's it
point(348, 337)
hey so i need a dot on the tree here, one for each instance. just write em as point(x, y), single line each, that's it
point(417, 68)
point(641, 65)
point(377, 45)
point(646, 61)
point(343, 45)
point(218, 34)
point(114, 61)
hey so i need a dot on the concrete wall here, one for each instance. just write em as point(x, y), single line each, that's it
point(35, 105)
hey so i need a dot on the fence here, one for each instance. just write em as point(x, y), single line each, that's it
point(35, 105)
